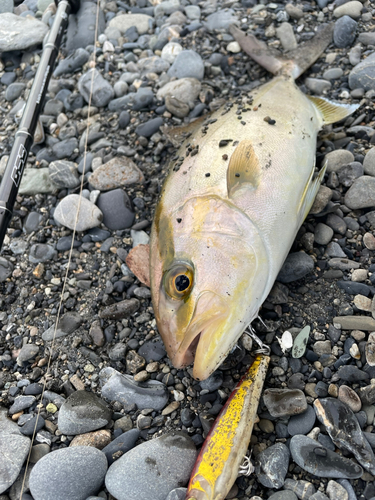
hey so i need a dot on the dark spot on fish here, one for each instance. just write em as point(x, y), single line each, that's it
point(225, 157)
point(179, 220)
point(224, 142)
point(235, 143)
point(243, 123)
point(237, 175)
point(269, 120)
point(208, 174)
point(239, 117)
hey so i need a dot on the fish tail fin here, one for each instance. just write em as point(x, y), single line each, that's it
point(292, 63)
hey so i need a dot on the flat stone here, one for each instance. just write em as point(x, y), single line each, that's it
point(125, 21)
point(280, 495)
point(318, 85)
point(34, 424)
point(352, 9)
point(14, 448)
point(71, 63)
point(272, 466)
point(303, 489)
point(36, 181)
point(300, 342)
point(350, 398)
point(82, 27)
point(96, 439)
point(89, 214)
point(77, 472)
point(154, 468)
point(338, 159)
point(188, 64)
point(344, 32)
point(351, 373)
point(119, 171)
point(121, 309)
point(67, 324)
point(312, 457)
point(20, 33)
point(21, 403)
point(363, 74)
point(83, 412)
point(123, 388)
point(284, 402)
point(150, 127)
point(361, 194)
point(355, 322)
point(28, 352)
point(344, 430)
point(286, 36)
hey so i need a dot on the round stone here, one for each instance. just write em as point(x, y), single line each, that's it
point(350, 397)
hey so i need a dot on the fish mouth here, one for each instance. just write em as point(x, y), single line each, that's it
point(205, 329)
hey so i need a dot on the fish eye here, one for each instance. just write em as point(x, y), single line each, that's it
point(178, 281)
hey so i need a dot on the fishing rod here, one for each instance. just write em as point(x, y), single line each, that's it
point(24, 137)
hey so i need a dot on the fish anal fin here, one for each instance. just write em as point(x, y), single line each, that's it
point(243, 167)
point(310, 192)
point(332, 112)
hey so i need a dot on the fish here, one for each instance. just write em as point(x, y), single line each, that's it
point(236, 194)
point(223, 451)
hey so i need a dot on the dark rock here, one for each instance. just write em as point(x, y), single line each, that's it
point(344, 32)
point(303, 423)
point(120, 310)
point(72, 63)
point(295, 267)
point(272, 466)
point(117, 209)
point(150, 127)
point(121, 445)
point(152, 351)
point(81, 27)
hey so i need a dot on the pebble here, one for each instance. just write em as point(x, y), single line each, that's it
point(125, 21)
point(97, 439)
point(117, 172)
point(152, 351)
point(14, 448)
point(363, 74)
point(286, 36)
point(272, 466)
point(220, 20)
point(370, 349)
point(303, 423)
point(351, 373)
point(303, 489)
point(121, 445)
point(280, 495)
point(14, 91)
point(177, 494)
point(121, 309)
point(355, 322)
point(64, 174)
point(369, 162)
point(28, 352)
point(20, 33)
point(188, 64)
point(36, 181)
point(82, 412)
point(77, 472)
point(154, 468)
point(67, 324)
point(150, 127)
point(317, 460)
point(337, 159)
point(102, 91)
point(317, 85)
point(138, 263)
point(352, 8)
point(336, 492)
point(344, 430)
point(116, 209)
point(350, 398)
point(72, 63)
point(123, 388)
point(344, 32)
point(323, 234)
point(186, 90)
point(295, 267)
point(81, 29)
point(41, 253)
point(284, 402)
point(66, 212)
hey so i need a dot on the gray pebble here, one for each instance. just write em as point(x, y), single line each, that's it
point(6, 269)
point(323, 234)
point(77, 473)
point(344, 32)
point(14, 91)
point(67, 324)
point(150, 127)
point(362, 193)
point(317, 85)
point(302, 423)
point(220, 20)
point(363, 75)
point(295, 267)
point(116, 208)
point(286, 36)
point(369, 162)
point(71, 63)
point(64, 174)
point(188, 64)
point(102, 91)
point(121, 444)
point(154, 468)
point(272, 466)
point(41, 252)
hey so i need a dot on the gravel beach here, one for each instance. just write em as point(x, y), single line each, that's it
point(116, 420)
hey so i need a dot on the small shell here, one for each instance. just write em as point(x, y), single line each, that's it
point(286, 341)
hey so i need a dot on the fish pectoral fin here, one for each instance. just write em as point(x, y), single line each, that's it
point(310, 192)
point(243, 167)
point(332, 112)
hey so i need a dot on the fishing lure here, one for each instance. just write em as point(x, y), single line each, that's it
point(224, 449)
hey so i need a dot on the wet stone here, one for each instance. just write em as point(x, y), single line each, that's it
point(284, 402)
point(82, 412)
point(77, 472)
point(344, 430)
point(123, 388)
point(272, 466)
point(154, 468)
point(121, 445)
point(302, 423)
point(317, 460)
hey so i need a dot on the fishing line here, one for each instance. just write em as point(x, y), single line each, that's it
point(51, 350)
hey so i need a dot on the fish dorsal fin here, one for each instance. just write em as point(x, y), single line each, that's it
point(243, 167)
point(310, 192)
point(332, 112)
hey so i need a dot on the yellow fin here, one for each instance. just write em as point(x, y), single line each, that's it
point(310, 192)
point(243, 167)
point(332, 112)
